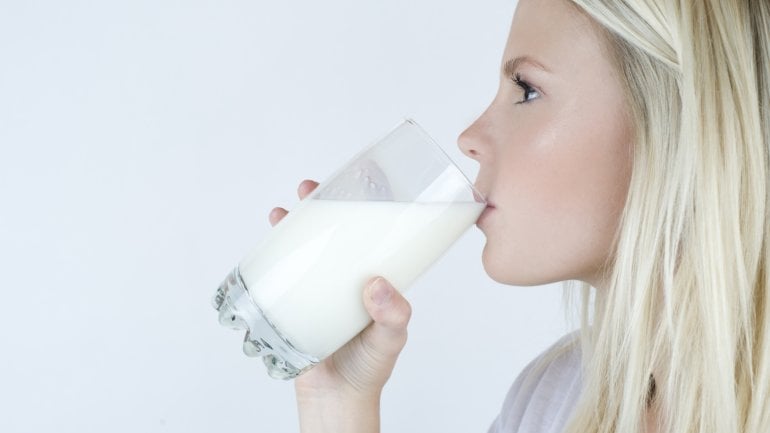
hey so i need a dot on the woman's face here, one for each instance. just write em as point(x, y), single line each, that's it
point(554, 150)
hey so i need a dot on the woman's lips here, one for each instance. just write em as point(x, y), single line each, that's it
point(484, 214)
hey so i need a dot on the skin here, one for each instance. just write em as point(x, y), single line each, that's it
point(554, 161)
point(557, 167)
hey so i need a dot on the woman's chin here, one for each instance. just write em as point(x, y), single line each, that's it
point(494, 267)
point(504, 272)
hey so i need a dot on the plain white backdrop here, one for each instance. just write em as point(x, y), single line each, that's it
point(142, 145)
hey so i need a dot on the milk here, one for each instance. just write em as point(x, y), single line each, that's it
point(308, 274)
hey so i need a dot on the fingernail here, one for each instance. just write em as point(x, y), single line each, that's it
point(381, 291)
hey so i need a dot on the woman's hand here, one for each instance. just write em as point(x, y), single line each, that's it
point(342, 392)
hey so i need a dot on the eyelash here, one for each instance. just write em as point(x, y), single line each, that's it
point(516, 78)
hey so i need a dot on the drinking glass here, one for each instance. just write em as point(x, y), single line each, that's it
point(391, 211)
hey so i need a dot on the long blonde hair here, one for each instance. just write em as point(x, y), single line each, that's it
point(688, 292)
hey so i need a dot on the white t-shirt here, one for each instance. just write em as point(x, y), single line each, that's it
point(544, 394)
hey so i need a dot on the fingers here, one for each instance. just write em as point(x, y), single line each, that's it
point(276, 215)
point(306, 187)
point(390, 312)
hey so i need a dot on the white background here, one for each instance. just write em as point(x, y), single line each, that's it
point(142, 145)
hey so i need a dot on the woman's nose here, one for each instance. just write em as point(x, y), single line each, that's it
point(470, 141)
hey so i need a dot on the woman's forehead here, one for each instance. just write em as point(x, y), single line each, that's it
point(553, 33)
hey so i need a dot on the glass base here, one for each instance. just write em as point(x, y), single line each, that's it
point(238, 311)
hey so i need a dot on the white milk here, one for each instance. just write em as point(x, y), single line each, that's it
point(309, 272)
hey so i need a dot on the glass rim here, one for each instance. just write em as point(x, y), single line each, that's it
point(444, 155)
point(437, 150)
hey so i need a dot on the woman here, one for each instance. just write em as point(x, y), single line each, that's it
point(627, 148)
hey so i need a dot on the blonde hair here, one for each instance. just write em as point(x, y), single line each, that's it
point(688, 283)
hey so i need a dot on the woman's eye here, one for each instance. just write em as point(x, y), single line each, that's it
point(529, 92)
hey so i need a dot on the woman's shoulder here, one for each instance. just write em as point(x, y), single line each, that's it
point(544, 393)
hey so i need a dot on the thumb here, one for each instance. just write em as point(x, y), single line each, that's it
point(390, 312)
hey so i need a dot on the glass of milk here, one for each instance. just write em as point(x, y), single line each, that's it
point(391, 211)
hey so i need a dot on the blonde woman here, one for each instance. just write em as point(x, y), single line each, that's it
point(626, 149)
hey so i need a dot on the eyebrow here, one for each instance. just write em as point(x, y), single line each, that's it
point(512, 65)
